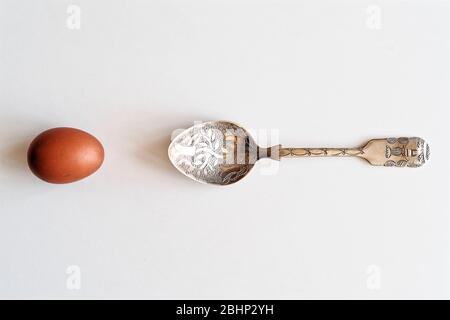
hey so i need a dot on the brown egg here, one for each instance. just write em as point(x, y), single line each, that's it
point(64, 155)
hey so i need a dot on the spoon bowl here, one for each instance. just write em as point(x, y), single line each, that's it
point(216, 152)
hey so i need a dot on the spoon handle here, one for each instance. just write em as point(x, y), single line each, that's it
point(390, 152)
point(320, 152)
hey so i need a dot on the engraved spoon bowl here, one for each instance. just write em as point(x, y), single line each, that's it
point(217, 152)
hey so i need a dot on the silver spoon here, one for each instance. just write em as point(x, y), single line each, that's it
point(222, 152)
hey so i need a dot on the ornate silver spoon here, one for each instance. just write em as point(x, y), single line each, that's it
point(222, 152)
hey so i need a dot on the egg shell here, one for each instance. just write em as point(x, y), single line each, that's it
point(64, 155)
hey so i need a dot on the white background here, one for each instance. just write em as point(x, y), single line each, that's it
point(322, 73)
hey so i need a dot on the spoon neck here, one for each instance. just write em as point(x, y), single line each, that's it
point(271, 152)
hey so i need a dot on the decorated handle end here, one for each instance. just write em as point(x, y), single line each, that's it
point(397, 152)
